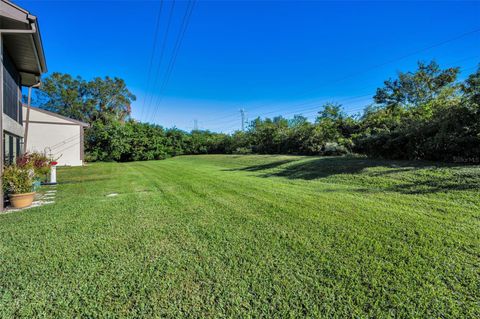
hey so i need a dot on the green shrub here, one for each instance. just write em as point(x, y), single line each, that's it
point(18, 180)
point(39, 162)
point(425, 114)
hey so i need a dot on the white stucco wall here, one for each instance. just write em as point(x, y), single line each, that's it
point(62, 140)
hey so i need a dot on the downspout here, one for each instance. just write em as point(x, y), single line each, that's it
point(27, 118)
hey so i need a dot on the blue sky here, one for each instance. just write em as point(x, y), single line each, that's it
point(267, 57)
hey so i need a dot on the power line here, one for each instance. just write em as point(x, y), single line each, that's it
point(280, 111)
point(357, 109)
point(183, 29)
point(393, 60)
point(173, 59)
point(307, 114)
point(233, 117)
point(313, 105)
point(162, 50)
point(155, 40)
point(402, 57)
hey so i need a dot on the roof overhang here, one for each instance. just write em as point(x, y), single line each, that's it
point(80, 123)
point(25, 49)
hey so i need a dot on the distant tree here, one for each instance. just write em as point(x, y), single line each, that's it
point(425, 114)
point(471, 88)
point(297, 120)
point(415, 88)
point(334, 126)
point(104, 99)
point(107, 141)
point(177, 142)
point(65, 95)
point(110, 98)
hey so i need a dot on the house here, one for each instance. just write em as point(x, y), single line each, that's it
point(55, 135)
point(22, 63)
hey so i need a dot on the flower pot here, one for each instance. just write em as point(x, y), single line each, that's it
point(21, 200)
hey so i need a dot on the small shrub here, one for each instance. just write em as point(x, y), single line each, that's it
point(40, 163)
point(18, 180)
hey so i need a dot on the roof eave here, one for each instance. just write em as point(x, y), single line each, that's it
point(37, 39)
point(16, 13)
point(58, 116)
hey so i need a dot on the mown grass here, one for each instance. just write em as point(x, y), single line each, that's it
point(248, 236)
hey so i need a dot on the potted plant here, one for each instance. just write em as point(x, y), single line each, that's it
point(22, 179)
point(40, 164)
point(18, 184)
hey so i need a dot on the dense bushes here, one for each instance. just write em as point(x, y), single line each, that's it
point(445, 126)
point(134, 141)
point(129, 141)
point(421, 115)
point(426, 114)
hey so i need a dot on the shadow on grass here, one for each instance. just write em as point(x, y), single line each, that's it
point(408, 177)
point(434, 186)
point(263, 167)
point(325, 167)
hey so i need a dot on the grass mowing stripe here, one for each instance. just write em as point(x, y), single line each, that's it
point(242, 236)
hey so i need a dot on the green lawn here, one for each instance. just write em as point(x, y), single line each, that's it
point(248, 236)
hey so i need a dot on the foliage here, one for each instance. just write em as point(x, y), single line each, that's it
point(413, 89)
point(39, 162)
point(65, 95)
point(258, 236)
point(100, 99)
point(110, 99)
point(106, 141)
point(130, 141)
point(438, 121)
point(425, 114)
point(18, 179)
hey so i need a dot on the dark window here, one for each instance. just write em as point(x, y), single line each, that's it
point(19, 146)
point(11, 89)
point(12, 148)
point(6, 149)
point(11, 151)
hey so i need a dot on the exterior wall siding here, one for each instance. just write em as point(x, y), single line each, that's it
point(56, 137)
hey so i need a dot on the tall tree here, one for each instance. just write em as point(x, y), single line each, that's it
point(471, 88)
point(65, 95)
point(103, 99)
point(110, 98)
point(412, 89)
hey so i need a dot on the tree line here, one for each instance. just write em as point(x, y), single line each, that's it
point(425, 114)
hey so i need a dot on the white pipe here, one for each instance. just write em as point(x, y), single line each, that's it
point(53, 174)
point(27, 118)
point(31, 31)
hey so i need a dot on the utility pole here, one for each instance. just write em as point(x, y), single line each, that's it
point(195, 125)
point(242, 114)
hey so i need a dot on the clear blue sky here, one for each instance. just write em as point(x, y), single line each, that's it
point(266, 57)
